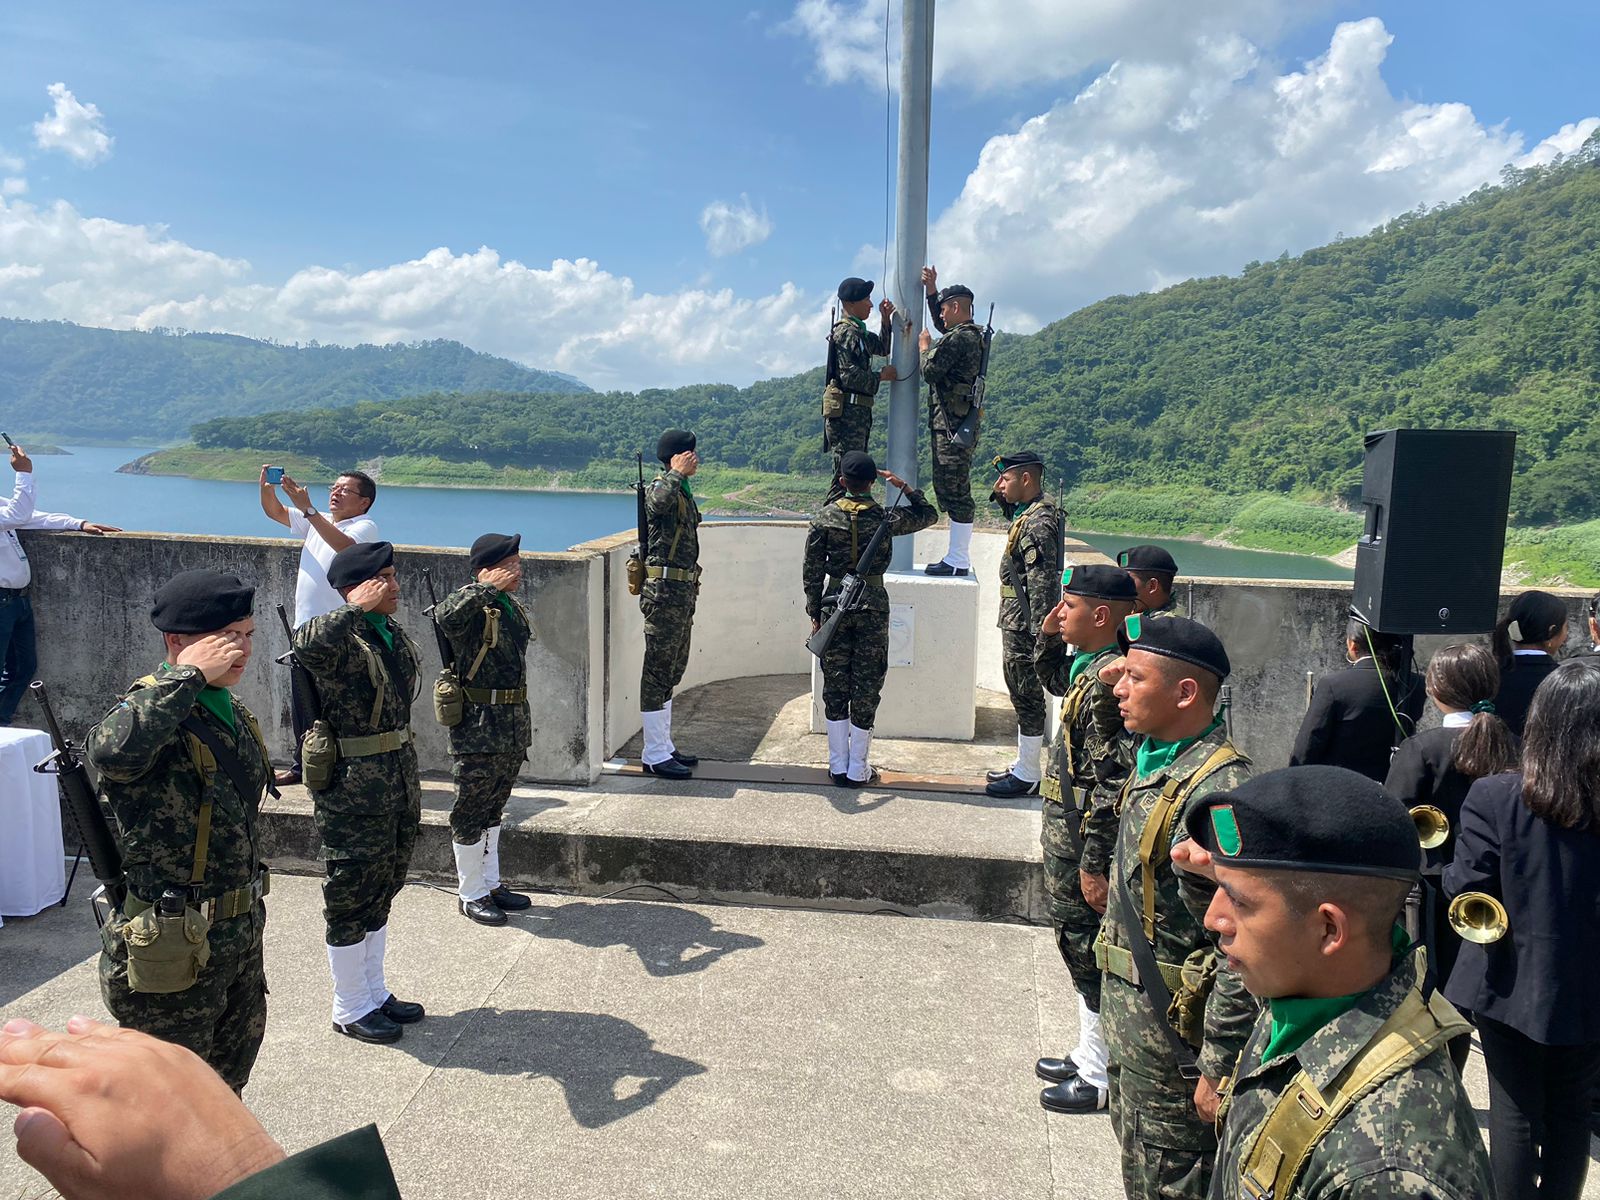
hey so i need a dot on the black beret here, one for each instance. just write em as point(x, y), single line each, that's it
point(1022, 458)
point(492, 547)
point(674, 442)
point(1535, 617)
point(1147, 558)
point(1327, 819)
point(359, 563)
point(854, 289)
point(1176, 637)
point(955, 289)
point(1099, 583)
point(201, 601)
point(857, 464)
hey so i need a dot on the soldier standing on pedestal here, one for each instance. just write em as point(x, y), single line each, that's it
point(671, 586)
point(951, 367)
point(852, 383)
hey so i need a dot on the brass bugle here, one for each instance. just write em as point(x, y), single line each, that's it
point(1478, 917)
point(1433, 827)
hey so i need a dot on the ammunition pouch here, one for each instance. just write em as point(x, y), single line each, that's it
point(1187, 1012)
point(636, 573)
point(449, 699)
point(957, 403)
point(832, 400)
point(319, 751)
point(165, 953)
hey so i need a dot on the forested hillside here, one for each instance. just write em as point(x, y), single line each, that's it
point(1482, 313)
point(75, 381)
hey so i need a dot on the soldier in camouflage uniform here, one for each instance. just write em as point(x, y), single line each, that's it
point(671, 586)
point(1088, 763)
point(1153, 571)
point(160, 775)
point(856, 660)
point(951, 368)
point(1029, 570)
point(365, 669)
point(849, 389)
point(1166, 1067)
point(1345, 1088)
point(489, 634)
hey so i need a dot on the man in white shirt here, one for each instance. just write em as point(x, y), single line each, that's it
point(18, 653)
point(346, 522)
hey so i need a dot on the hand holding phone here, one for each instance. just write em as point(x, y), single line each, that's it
point(274, 475)
point(7, 437)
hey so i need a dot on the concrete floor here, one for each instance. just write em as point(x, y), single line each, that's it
point(649, 1049)
point(767, 719)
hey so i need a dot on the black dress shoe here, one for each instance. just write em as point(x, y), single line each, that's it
point(505, 898)
point(1009, 786)
point(997, 776)
point(484, 911)
point(871, 779)
point(688, 760)
point(840, 780)
point(669, 768)
point(374, 1027)
point(1056, 1070)
point(1076, 1095)
point(943, 568)
point(402, 1012)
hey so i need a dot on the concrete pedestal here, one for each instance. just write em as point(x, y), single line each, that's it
point(934, 625)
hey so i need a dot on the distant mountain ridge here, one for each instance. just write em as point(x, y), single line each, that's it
point(89, 383)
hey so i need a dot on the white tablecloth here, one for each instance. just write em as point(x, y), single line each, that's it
point(33, 870)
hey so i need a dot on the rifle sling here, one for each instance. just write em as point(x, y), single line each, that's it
point(1152, 981)
point(231, 766)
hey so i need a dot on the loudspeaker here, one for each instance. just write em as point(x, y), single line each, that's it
point(1435, 502)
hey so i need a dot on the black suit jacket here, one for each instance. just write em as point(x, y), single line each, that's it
point(1543, 977)
point(1349, 723)
point(1518, 682)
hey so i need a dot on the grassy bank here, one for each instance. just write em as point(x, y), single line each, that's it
point(1569, 554)
point(243, 465)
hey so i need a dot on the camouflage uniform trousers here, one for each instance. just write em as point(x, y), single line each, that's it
point(666, 651)
point(848, 431)
point(1076, 924)
point(1022, 681)
point(222, 1017)
point(853, 668)
point(483, 784)
point(1167, 1150)
point(952, 474)
point(366, 859)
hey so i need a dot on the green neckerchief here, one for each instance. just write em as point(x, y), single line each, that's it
point(687, 490)
point(1080, 660)
point(505, 602)
point(1156, 755)
point(217, 701)
point(379, 622)
point(1296, 1018)
point(858, 322)
point(1021, 508)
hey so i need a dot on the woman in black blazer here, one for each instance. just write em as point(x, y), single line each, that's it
point(1532, 839)
point(1437, 766)
point(1525, 643)
point(1359, 715)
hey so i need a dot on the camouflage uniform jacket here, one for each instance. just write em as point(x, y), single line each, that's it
point(950, 366)
point(1413, 1135)
point(329, 647)
point(674, 529)
point(155, 789)
point(1092, 755)
point(854, 347)
point(1030, 568)
point(464, 615)
point(839, 536)
point(1181, 937)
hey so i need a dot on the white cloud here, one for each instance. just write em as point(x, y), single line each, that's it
point(730, 228)
point(13, 185)
point(1564, 141)
point(74, 128)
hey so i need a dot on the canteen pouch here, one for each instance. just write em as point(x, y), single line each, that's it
point(318, 754)
point(449, 702)
point(956, 405)
point(832, 400)
point(636, 574)
point(165, 954)
point(1187, 1013)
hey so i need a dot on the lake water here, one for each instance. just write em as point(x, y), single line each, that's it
point(86, 484)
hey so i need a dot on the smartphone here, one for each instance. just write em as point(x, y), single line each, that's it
point(9, 442)
point(274, 475)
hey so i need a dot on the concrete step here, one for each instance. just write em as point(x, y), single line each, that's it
point(922, 852)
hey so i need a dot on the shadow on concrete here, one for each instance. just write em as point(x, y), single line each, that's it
point(608, 1068)
point(36, 949)
point(668, 940)
point(854, 801)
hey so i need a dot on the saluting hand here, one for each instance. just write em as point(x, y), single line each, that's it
point(505, 579)
point(215, 654)
point(1051, 625)
point(369, 593)
point(891, 477)
point(685, 464)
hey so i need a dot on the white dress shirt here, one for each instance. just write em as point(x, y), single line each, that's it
point(313, 595)
point(19, 513)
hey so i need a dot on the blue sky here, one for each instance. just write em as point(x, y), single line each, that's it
point(253, 142)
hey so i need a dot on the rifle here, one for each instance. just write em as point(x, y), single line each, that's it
point(307, 684)
point(636, 560)
point(966, 433)
point(1225, 696)
point(447, 656)
point(853, 588)
point(83, 806)
point(831, 370)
